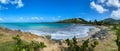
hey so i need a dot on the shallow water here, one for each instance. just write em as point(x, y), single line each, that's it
point(56, 30)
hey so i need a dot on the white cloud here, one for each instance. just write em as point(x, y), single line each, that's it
point(19, 3)
point(41, 18)
point(59, 16)
point(37, 18)
point(1, 19)
point(114, 3)
point(110, 3)
point(53, 18)
point(4, 1)
point(115, 14)
point(98, 7)
point(34, 18)
point(101, 1)
point(107, 3)
point(21, 18)
point(56, 18)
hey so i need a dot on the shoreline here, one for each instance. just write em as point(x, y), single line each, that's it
point(91, 32)
point(63, 32)
point(98, 30)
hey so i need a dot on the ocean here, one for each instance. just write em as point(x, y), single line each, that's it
point(56, 30)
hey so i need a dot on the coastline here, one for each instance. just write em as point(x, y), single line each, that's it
point(59, 32)
point(96, 33)
point(92, 31)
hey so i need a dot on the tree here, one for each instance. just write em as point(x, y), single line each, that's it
point(95, 22)
point(90, 22)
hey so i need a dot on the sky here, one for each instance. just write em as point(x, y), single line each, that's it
point(55, 10)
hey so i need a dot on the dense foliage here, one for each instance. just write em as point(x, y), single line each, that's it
point(86, 46)
point(21, 45)
point(117, 31)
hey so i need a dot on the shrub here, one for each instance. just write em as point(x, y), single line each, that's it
point(86, 46)
point(27, 46)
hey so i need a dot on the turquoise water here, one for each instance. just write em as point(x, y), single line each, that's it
point(56, 30)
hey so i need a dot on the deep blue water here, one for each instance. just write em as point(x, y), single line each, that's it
point(56, 30)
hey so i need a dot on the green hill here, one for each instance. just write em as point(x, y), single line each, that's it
point(73, 20)
point(111, 21)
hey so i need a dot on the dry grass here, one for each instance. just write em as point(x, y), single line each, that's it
point(6, 41)
point(108, 44)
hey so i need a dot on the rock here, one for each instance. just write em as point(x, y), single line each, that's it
point(48, 36)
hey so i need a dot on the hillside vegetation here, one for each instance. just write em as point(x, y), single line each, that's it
point(73, 20)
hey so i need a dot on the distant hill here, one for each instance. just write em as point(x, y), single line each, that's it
point(73, 20)
point(82, 21)
point(111, 21)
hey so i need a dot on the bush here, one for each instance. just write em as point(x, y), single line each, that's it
point(86, 46)
point(21, 45)
point(117, 31)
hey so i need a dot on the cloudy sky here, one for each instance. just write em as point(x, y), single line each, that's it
point(54, 10)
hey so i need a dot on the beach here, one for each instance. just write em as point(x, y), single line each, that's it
point(55, 30)
point(56, 45)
